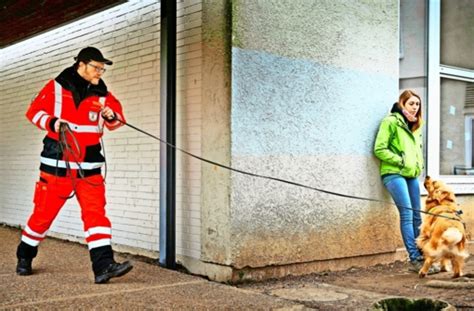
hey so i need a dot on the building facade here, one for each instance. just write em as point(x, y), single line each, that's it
point(294, 90)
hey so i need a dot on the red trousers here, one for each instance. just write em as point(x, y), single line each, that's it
point(50, 196)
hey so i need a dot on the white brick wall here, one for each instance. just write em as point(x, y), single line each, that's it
point(129, 35)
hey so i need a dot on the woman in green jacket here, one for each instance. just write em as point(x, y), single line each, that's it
point(399, 147)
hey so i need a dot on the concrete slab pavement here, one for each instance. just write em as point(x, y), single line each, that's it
point(63, 280)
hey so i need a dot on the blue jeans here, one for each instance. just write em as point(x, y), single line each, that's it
point(406, 194)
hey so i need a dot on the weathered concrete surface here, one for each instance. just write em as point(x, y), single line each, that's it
point(305, 268)
point(63, 280)
point(359, 289)
point(466, 204)
point(215, 142)
point(311, 81)
point(288, 224)
point(348, 34)
point(327, 293)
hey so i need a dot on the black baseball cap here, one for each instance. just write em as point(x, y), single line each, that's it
point(91, 53)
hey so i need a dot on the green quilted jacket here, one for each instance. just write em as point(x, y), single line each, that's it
point(399, 149)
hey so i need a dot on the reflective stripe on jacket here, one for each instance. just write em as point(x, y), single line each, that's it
point(85, 121)
point(399, 149)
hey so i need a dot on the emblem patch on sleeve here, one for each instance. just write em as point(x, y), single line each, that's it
point(93, 116)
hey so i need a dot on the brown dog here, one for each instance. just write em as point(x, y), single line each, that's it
point(442, 238)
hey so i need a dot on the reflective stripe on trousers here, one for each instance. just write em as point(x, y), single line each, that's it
point(50, 196)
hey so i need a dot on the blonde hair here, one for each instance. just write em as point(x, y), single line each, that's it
point(401, 104)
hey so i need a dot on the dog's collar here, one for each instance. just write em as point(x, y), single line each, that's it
point(429, 200)
point(445, 210)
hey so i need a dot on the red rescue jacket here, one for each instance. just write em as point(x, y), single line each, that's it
point(71, 98)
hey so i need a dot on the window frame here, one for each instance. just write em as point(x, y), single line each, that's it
point(461, 184)
point(469, 152)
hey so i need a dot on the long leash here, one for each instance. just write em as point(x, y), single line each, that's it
point(273, 178)
point(71, 151)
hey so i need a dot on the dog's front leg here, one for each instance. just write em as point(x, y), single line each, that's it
point(426, 266)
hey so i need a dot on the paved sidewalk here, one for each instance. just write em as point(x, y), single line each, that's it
point(63, 280)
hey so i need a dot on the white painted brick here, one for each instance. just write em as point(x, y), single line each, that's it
point(129, 35)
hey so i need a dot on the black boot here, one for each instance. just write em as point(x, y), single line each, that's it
point(24, 266)
point(25, 254)
point(113, 270)
point(104, 265)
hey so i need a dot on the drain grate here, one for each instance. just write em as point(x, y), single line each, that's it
point(407, 304)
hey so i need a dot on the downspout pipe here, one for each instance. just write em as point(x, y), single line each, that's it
point(168, 131)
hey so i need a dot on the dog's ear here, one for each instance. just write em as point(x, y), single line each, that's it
point(428, 184)
point(444, 195)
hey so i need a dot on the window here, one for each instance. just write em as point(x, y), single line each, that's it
point(457, 108)
point(451, 92)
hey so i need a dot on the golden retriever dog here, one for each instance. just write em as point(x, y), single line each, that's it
point(442, 234)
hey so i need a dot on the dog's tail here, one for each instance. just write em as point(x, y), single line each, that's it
point(455, 240)
point(452, 236)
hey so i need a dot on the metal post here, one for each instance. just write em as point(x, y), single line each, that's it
point(168, 132)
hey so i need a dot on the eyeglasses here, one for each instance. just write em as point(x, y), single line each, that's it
point(97, 68)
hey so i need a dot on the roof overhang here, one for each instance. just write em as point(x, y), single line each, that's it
point(22, 19)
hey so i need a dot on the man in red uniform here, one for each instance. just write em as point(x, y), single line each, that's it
point(71, 160)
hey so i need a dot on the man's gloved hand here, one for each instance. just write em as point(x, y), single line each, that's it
point(108, 113)
point(57, 124)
